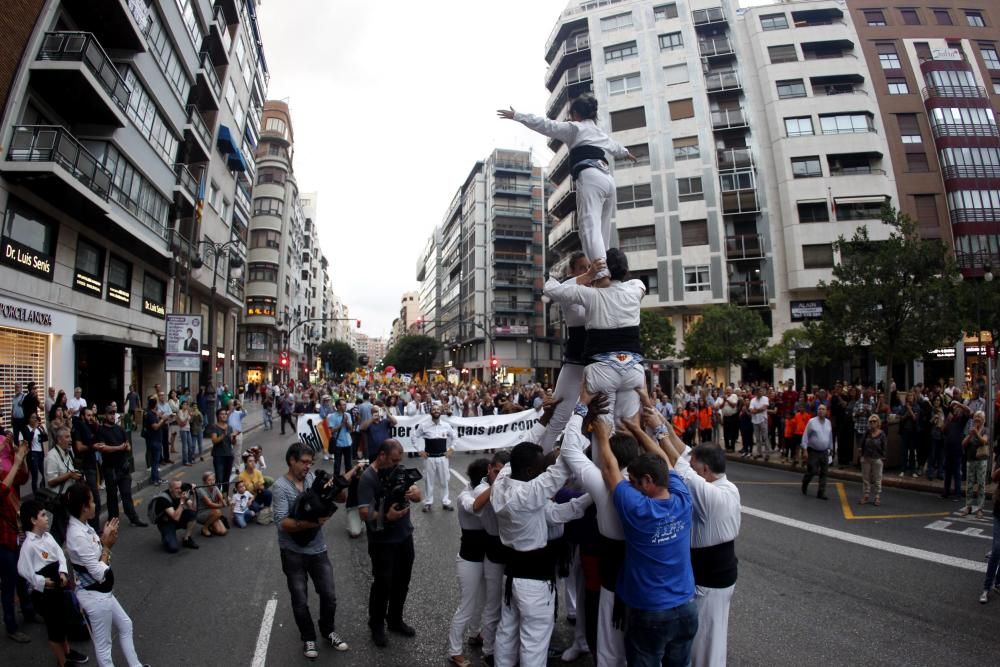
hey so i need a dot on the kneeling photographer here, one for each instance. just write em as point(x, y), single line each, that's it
point(384, 496)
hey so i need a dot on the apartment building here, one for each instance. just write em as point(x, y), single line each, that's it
point(409, 312)
point(744, 180)
point(127, 131)
point(481, 275)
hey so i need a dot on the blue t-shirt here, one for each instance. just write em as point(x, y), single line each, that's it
point(341, 436)
point(378, 432)
point(657, 571)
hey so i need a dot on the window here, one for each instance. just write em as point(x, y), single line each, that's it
point(681, 109)
point(813, 211)
point(89, 270)
point(268, 206)
point(154, 295)
point(846, 123)
point(634, 196)
point(620, 52)
point(791, 88)
point(158, 38)
point(773, 22)
point(888, 58)
point(972, 161)
point(634, 239)
point(694, 232)
point(686, 148)
point(910, 16)
point(696, 279)
point(990, 57)
point(241, 50)
point(689, 189)
point(628, 119)
point(676, 74)
point(119, 281)
point(963, 116)
point(974, 199)
point(996, 86)
point(620, 85)
point(230, 94)
point(257, 340)
point(849, 211)
point(817, 256)
point(783, 53)
point(270, 175)
point(923, 51)
point(736, 181)
point(917, 162)
point(616, 22)
point(909, 128)
point(665, 11)
point(806, 167)
point(799, 126)
point(265, 238)
point(942, 17)
point(898, 86)
point(975, 19)
point(131, 189)
point(147, 118)
point(874, 17)
point(671, 41)
point(276, 125)
point(261, 306)
point(650, 280)
point(262, 272)
point(224, 210)
point(641, 154)
point(190, 21)
point(30, 231)
point(213, 195)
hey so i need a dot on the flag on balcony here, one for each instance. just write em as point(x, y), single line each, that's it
point(199, 205)
point(833, 203)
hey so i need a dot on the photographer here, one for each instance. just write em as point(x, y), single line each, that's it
point(172, 511)
point(390, 539)
point(302, 562)
point(60, 474)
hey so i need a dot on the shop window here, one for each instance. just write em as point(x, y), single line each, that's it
point(29, 239)
point(88, 276)
point(119, 281)
point(154, 296)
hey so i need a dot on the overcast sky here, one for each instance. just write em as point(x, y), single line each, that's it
point(392, 103)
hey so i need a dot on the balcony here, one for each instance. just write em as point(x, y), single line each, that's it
point(744, 246)
point(737, 202)
point(966, 215)
point(507, 257)
point(955, 92)
point(209, 89)
point(974, 263)
point(117, 24)
point(198, 136)
point(564, 229)
point(187, 185)
point(512, 211)
point(74, 75)
point(572, 83)
point(513, 232)
point(573, 50)
point(715, 48)
point(750, 293)
point(512, 281)
point(219, 41)
point(731, 159)
point(512, 165)
point(508, 188)
point(964, 130)
point(512, 306)
point(954, 171)
point(242, 198)
point(706, 17)
point(52, 163)
point(723, 82)
point(560, 170)
point(563, 200)
point(729, 119)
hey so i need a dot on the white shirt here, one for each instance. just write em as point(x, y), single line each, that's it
point(83, 547)
point(589, 475)
point(572, 133)
point(559, 514)
point(755, 404)
point(58, 462)
point(434, 431)
point(716, 505)
point(469, 518)
point(241, 501)
point(37, 552)
point(411, 409)
point(76, 405)
point(36, 440)
point(574, 315)
point(612, 307)
point(522, 508)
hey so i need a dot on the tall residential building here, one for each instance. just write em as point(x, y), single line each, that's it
point(312, 283)
point(373, 347)
point(409, 313)
point(743, 181)
point(481, 274)
point(114, 113)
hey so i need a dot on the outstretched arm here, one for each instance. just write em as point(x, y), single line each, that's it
point(609, 464)
point(564, 132)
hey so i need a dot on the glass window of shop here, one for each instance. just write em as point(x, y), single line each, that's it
point(88, 273)
point(28, 240)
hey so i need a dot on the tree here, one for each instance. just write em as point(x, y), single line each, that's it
point(723, 336)
point(338, 356)
point(656, 335)
point(897, 296)
point(811, 345)
point(413, 353)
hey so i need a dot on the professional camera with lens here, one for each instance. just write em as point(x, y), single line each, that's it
point(317, 502)
point(394, 484)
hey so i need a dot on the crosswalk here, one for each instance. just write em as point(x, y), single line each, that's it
point(967, 525)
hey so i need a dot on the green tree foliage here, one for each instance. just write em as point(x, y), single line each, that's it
point(656, 335)
point(811, 345)
point(724, 336)
point(898, 296)
point(412, 354)
point(338, 356)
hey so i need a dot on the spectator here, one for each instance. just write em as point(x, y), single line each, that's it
point(340, 425)
point(173, 510)
point(197, 429)
point(115, 467)
point(9, 552)
point(817, 445)
point(758, 416)
point(153, 423)
point(184, 429)
point(377, 428)
point(977, 454)
point(211, 502)
point(873, 449)
point(253, 480)
point(236, 416)
point(37, 438)
point(221, 435)
point(60, 474)
point(993, 566)
point(240, 503)
point(954, 435)
point(935, 460)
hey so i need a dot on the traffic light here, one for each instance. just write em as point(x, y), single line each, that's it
point(494, 363)
point(358, 324)
point(283, 360)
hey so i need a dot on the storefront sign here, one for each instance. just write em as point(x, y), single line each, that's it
point(153, 308)
point(120, 295)
point(807, 310)
point(83, 282)
point(26, 259)
point(20, 314)
point(511, 330)
point(183, 343)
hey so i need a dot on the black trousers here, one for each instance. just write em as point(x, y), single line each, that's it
point(291, 424)
point(818, 463)
point(392, 565)
point(118, 482)
point(730, 431)
point(90, 476)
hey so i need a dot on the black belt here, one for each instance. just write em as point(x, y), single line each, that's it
point(105, 586)
point(538, 564)
point(435, 456)
point(715, 566)
point(495, 550)
point(473, 545)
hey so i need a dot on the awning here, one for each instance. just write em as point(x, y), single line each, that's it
point(248, 133)
point(111, 340)
point(236, 161)
point(876, 199)
point(836, 78)
point(225, 141)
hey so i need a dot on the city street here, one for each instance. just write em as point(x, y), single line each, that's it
point(819, 580)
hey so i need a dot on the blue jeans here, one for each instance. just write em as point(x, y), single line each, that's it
point(155, 447)
point(196, 438)
point(935, 466)
point(993, 568)
point(654, 638)
point(261, 500)
point(242, 518)
point(298, 569)
point(223, 467)
point(187, 447)
point(36, 464)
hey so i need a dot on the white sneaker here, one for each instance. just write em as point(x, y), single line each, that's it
point(573, 652)
point(984, 597)
point(336, 642)
point(326, 457)
point(310, 651)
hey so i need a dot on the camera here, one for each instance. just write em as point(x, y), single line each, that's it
point(394, 485)
point(317, 502)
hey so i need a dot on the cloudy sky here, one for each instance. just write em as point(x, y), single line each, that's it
point(392, 103)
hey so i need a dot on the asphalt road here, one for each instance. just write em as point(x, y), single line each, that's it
point(814, 587)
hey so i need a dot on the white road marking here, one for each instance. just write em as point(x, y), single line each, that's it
point(458, 476)
point(945, 527)
point(898, 549)
point(264, 637)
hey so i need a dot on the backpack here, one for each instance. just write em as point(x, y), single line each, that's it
point(155, 510)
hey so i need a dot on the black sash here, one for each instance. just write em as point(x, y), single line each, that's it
point(435, 446)
point(625, 339)
point(583, 153)
point(576, 342)
point(495, 550)
point(538, 564)
point(715, 566)
point(474, 545)
point(612, 558)
point(105, 586)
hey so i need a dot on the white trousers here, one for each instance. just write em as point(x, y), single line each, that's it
point(526, 625)
point(596, 199)
point(569, 583)
point(568, 387)
point(471, 592)
point(618, 385)
point(436, 474)
point(104, 614)
point(610, 641)
point(492, 599)
point(577, 580)
point(709, 647)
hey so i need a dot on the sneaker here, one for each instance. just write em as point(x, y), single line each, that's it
point(915, 475)
point(427, 508)
point(309, 650)
point(19, 637)
point(189, 543)
point(402, 628)
point(326, 457)
point(984, 597)
point(572, 653)
point(138, 523)
point(448, 508)
point(76, 658)
point(378, 638)
point(336, 642)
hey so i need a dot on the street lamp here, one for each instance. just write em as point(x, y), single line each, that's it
point(216, 250)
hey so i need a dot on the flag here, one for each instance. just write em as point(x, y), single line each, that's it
point(833, 203)
point(199, 205)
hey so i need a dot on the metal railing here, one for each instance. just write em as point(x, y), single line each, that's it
point(964, 130)
point(707, 16)
point(977, 260)
point(504, 256)
point(748, 293)
point(960, 215)
point(501, 210)
point(745, 246)
point(519, 188)
point(729, 118)
point(575, 44)
point(242, 197)
point(736, 202)
point(954, 91)
point(563, 199)
point(511, 280)
point(735, 158)
point(209, 69)
point(715, 47)
point(223, 27)
point(84, 47)
point(563, 229)
point(186, 180)
point(513, 231)
point(53, 143)
point(502, 306)
point(857, 171)
point(722, 81)
point(511, 165)
point(195, 120)
point(970, 171)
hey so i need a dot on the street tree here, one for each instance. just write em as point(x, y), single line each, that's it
point(338, 356)
point(413, 353)
point(656, 335)
point(812, 345)
point(897, 296)
point(725, 335)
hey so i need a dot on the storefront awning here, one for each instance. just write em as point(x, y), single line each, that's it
point(111, 340)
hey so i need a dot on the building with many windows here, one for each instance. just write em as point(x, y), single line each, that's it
point(409, 312)
point(127, 133)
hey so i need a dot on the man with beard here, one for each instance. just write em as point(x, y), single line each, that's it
point(115, 450)
point(439, 443)
point(86, 447)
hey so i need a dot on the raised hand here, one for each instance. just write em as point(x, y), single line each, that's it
point(506, 114)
